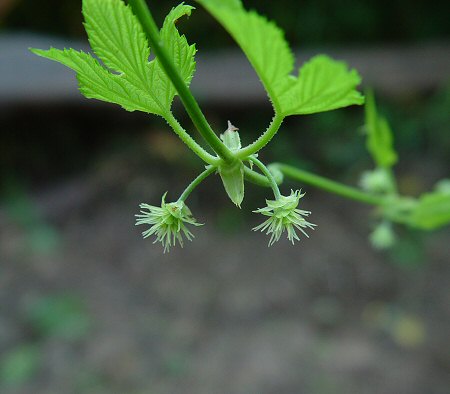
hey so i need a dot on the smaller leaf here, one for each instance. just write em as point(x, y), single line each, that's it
point(182, 54)
point(98, 83)
point(125, 75)
point(233, 181)
point(432, 211)
point(323, 84)
point(379, 135)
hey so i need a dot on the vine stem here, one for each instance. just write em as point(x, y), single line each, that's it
point(329, 185)
point(268, 174)
point(263, 140)
point(259, 179)
point(145, 17)
point(189, 141)
point(200, 178)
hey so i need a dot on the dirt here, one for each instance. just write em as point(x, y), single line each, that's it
point(225, 314)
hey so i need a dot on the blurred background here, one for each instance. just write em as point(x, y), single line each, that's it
point(87, 306)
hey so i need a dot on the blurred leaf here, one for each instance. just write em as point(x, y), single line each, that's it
point(19, 365)
point(443, 186)
point(60, 316)
point(432, 211)
point(379, 135)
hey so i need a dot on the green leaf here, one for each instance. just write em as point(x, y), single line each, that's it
point(432, 211)
point(323, 84)
point(116, 37)
point(181, 52)
point(128, 79)
point(379, 135)
point(98, 83)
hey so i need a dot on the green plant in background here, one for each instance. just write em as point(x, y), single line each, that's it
point(58, 316)
point(122, 36)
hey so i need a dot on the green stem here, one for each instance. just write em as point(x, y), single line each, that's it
point(263, 140)
point(268, 174)
point(189, 141)
point(209, 170)
point(259, 179)
point(329, 185)
point(151, 30)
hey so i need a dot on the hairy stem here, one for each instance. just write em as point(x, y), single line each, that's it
point(268, 174)
point(151, 30)
point(328, 185)
point(189, 141)
point(257, 178)
point(263, 140)
point(209, 170)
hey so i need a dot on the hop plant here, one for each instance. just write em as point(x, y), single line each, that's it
point(284, 215)
point(142, 68)
point(168, 222)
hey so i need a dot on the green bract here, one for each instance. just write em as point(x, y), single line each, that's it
point(232, 174)
point(168, 222)
point(284, 216)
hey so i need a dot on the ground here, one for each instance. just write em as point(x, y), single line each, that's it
point(225, 314)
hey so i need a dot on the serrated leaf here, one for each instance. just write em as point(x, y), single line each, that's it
point(117, 38)
point(179, 50)
point(432, 211)
point(379, 135)
point(98, 83)
point(323, 84)
point(262, 41)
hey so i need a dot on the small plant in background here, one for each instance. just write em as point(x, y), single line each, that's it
point(122, 36)
point(61, 317)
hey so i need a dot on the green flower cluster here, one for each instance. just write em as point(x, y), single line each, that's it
point(284, 215)
point(168, 222)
